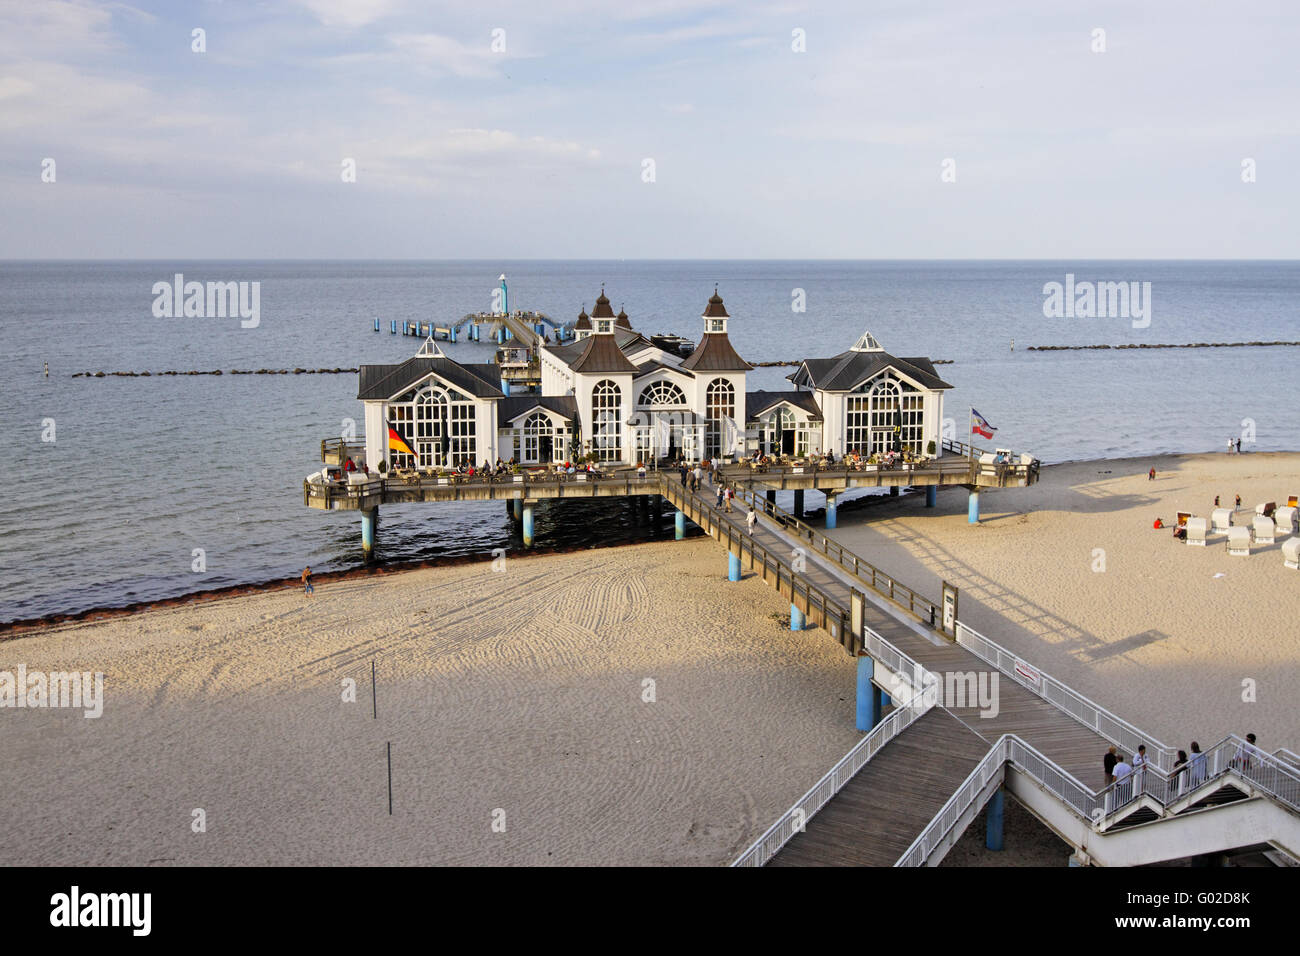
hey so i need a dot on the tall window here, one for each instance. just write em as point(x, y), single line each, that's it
point(874, 411)
point(660, 395)
point(439, 425)
point(536, 427)
point(720, 405)
point(607, 421)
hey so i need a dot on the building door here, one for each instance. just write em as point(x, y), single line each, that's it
point(787, 441)
point(547, 448)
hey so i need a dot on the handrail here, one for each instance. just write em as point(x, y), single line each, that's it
point(928, 612)
point(1232, 755)
point(1065, 698)
point(329, 491)
point(819, 794)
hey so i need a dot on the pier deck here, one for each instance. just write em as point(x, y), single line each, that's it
point(875, 818)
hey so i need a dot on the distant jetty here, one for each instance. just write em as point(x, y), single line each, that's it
point(217, 371)
point(1147, 345)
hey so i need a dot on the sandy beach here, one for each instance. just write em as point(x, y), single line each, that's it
point(1166, 634)
point(521, 695)
point(519, 691)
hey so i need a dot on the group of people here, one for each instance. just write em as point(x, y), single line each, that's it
point(1179, 531)
point(1187, 772)
point(693, 478)
point(1234, 446)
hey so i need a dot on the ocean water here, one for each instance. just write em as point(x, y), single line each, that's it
point(142, 471)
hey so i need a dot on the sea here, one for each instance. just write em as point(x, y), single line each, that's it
point(127, 490)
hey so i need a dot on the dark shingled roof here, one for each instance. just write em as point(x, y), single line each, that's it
point(654, 365)
point(600, 353)
point(602, 309)
point(715, 309)
point(386, 381)
point(625, 338)
point(513, 406)
point(848, 370)
point(756, 403)
point(715, 354)
point(623, 321)
point(584, 320)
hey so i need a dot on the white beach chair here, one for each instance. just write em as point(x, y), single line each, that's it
point(1197, 529)
point(315, 478)
point(1222, 519)
point(988, 464)
point(1291, 554)
point(1285, 519)
point(1239, 541)
point(1264, 530)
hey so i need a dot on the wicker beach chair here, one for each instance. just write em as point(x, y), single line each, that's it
point(1239, 541)
point(1264, 529)
point(1197, 530)
point(1291, 554)
point(1222, 520)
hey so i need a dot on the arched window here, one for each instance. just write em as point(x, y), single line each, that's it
point(661, 395)
point(720, 405)
point(607, 421)
point(539, 438)
point(439, 425)
point(882, 412)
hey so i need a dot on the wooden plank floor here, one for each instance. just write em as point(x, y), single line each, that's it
point(1058, 736)
point(878, 814)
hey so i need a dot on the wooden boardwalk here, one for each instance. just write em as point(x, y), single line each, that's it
point(881, 809)
point(875, 818)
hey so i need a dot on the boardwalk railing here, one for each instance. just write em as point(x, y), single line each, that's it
point(920, 607)
point(1264, 773)
point(377, 484)
point(1092, 715)
point(898, 720)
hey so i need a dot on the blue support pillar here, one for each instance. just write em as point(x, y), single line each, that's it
point(973, 507)
point(392, 326)
point(830, 512)
point(733, 567)
point(993, 822)
point(931, 496)
point(528, 524)
point(517, 506)
point(505, 387)
point(376, 325)
point(679, 526)
point(369, 521)
point(453, 333)
point(797, 622)
point(868, 711)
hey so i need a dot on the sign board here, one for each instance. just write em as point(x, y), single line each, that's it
point(950, 610)
point(1028, 674)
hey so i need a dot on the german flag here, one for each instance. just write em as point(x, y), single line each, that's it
point(397, 443)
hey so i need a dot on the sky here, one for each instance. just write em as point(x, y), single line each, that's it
point(649, 129)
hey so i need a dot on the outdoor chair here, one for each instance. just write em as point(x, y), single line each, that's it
point(1239, 541)
point(1222, 519)
point(1264, 530)
point(1197, 529)
point(1291, 554)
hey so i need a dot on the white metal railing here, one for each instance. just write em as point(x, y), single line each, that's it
point(1264, 772)
point(794, 820)
point(1065, 698)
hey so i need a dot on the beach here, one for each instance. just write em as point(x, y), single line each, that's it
point(1070, 574)
point(621, 705)
point(517, 697)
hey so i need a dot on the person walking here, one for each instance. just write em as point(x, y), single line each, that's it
point(683, 476)
point(699, 476)
point(1244, 758)
point(306, 581)
point(727, 500)
point(721, 494)
point(1216, 501)
point(1229, 446)
point(1178, 776)
point(1196, 767)
point(751, 519)
point(1238, 446)
point(1238, 501)
point(1151, 475)
point(1108, 765)
point(1123, 785)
